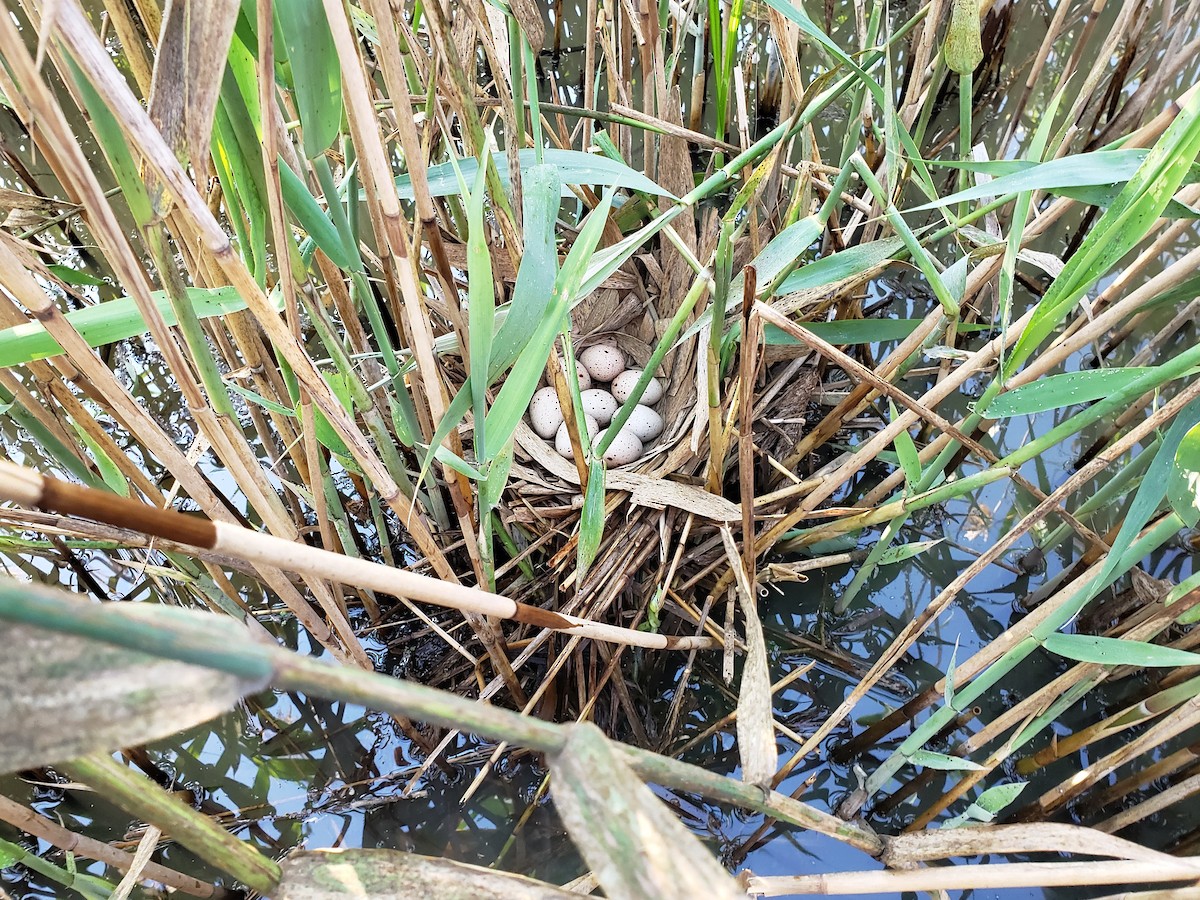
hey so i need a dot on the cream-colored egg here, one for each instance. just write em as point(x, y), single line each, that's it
point(562, 440)
point(623, 385)
point(603, 361)
point(599, 404)
point(585, 378)
point(624, 449)
point(645, 423)
point(545, 415)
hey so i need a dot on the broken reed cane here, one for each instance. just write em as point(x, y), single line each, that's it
point(29, 488)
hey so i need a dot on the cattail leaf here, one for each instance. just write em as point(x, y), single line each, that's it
point(1117, 651)
point(392, 875)
point(1183, 489)
point(963, 48)
point(943, 762)
point(67, 696)
point(572, 166)
point(109, 322)
point(632, 842)
point(591, 518)
point(1067, 389)
point(316, 71)
point(309, 215)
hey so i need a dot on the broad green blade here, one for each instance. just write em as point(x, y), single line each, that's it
point(106, 323)
point(1119, 230)
point(591, 518)
point(1117, 651)
point(1101, 169)
point(514, 396)
point(1056, 391)
point(541, 195)
point(1183, 487)
point(572, 166)
point(316, 71)
point(303, 205)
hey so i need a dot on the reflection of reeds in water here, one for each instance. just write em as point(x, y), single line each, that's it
point(736, 176)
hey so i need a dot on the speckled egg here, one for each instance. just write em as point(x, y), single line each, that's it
point(585, 378)
point(624, 384)
point(645, 423)
point(625, 448)
point(603, 361)
point(599, 404)
point(545, 415)
point(562, 440)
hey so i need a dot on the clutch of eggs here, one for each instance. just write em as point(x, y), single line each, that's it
point(602, 364)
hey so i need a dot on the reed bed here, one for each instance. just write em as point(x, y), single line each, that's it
point(353, 239)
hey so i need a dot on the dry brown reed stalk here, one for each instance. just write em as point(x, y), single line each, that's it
point(89, 848)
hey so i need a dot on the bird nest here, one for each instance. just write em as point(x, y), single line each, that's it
point(654, 507)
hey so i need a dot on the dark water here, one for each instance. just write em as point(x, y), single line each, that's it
point(287, 771)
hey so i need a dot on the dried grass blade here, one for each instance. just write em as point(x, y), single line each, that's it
point(755, 720)
point(636, 847)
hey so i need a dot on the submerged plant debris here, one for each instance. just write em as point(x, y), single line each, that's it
point(606, 429)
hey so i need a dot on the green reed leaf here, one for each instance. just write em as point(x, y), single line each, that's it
point(316, 71)
point(114, 320)
point(309, 215)
point(1117, 651)
point(1119, 229)
point(591, 518)
point(1067, 389)
point(541, 198)
point(572, 166)
point(943, 763)
point(1183, 487)
point(1103, 167)
point(518, 388)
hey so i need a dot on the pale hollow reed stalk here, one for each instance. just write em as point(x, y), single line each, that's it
point(29, 488)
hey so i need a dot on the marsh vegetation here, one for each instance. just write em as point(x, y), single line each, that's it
point(463, 424)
